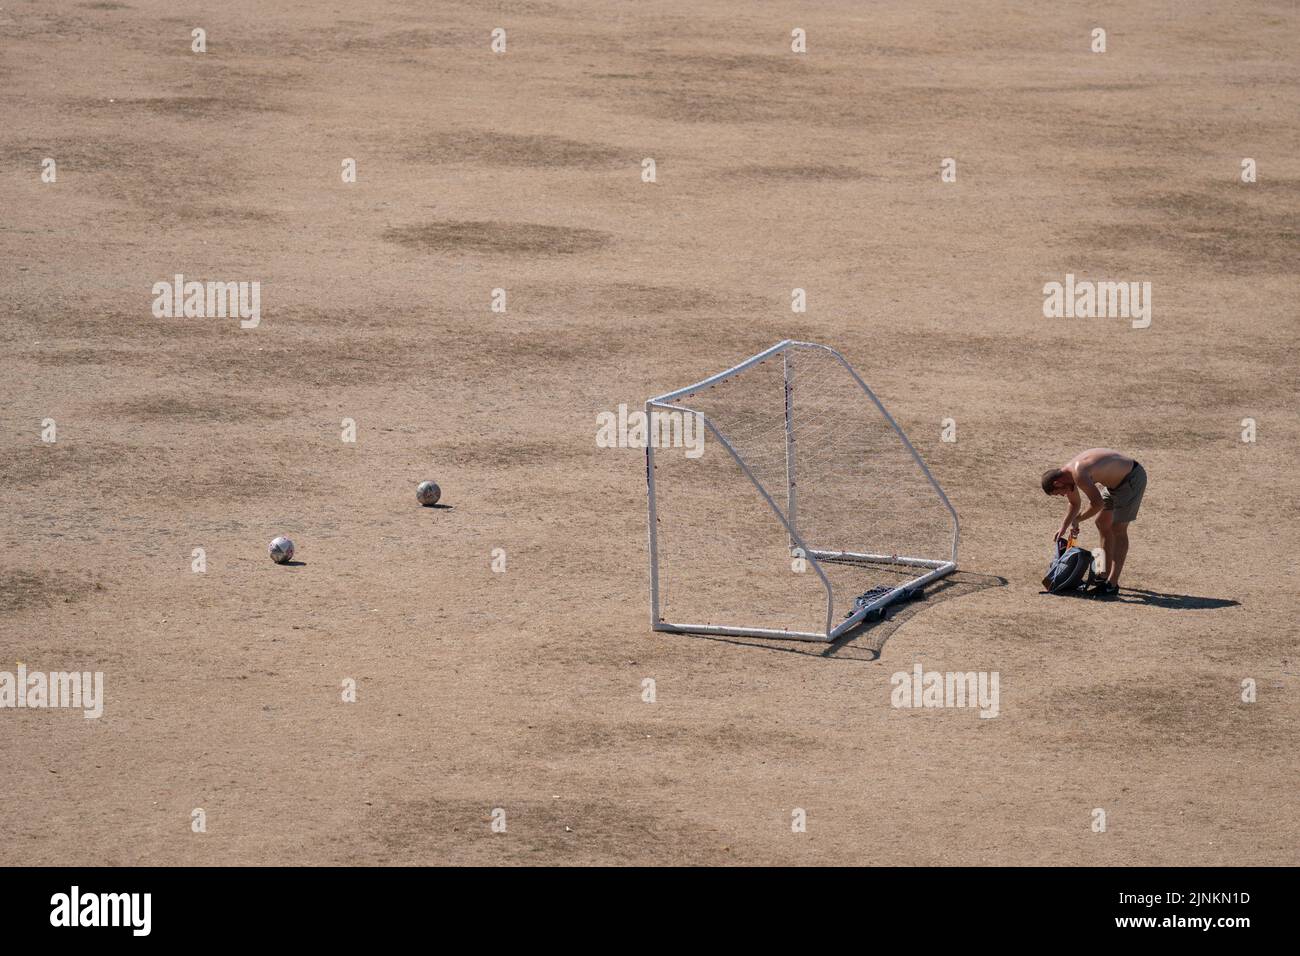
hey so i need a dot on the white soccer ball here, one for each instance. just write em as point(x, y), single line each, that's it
point(281, 550)
point(428, 493)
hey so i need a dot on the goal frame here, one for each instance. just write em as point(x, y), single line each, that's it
point(929, 569)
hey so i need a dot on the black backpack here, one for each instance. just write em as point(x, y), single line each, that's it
point(1070, 570)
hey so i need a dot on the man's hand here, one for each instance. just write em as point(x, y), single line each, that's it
point(1074, 530)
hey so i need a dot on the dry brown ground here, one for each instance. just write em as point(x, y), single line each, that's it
point(522, 690)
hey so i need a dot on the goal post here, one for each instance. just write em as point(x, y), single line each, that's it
point(802, 510)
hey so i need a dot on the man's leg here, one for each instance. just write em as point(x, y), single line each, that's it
point(1105, 528)
point(1119, 541)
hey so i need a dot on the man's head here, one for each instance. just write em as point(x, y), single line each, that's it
point(1057, 481)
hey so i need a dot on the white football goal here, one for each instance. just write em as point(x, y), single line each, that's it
point(804, 511)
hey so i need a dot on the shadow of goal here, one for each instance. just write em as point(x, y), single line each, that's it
point(803, 511)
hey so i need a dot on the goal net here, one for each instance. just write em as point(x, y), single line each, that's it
point(803, 510)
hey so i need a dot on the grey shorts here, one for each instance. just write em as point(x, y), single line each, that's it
point(1123, 500)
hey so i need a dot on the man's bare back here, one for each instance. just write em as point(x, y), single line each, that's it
point(1103, 465)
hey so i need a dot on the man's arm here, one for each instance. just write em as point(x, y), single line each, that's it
point(1083, 479)
point(1070, 520)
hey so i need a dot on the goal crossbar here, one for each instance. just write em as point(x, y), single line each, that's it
point(928, 569)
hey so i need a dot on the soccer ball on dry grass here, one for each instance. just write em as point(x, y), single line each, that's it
point(428, 493)
point(281, 550)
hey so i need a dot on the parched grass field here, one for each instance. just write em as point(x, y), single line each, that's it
point(523, 690)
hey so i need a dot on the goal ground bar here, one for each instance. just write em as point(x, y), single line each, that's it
point(938, 570)
point(742, 631)
point(945, 568)
point(880, 559)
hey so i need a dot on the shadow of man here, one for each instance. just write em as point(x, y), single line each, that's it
point(1176, 602)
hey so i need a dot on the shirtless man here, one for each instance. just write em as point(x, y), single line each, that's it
point(1122, 481)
